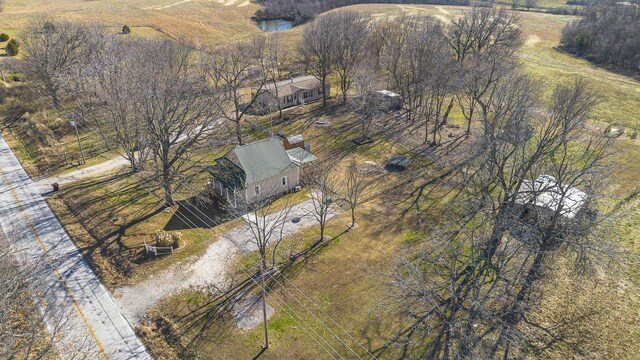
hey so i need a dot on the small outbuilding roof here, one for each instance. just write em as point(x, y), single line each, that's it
point(294, 139)
point(545, 192)
point(301, 156)
point(388, 93)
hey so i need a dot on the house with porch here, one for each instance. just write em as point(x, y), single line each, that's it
point(257, 171)
point(296, 91)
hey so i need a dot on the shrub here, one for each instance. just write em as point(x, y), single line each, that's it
point(4, 37)
point(13, 48)
point(126, 29)
point(607, 34)
point(37, 132)
point(165, 239)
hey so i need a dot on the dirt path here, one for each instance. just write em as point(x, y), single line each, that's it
point(107, 167)
point(211, 269)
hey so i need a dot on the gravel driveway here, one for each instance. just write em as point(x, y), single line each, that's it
point(209, 269)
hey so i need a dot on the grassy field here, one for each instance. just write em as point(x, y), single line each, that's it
point(359, 306)
point(342, 283)
point(194, 21)
point(324, 288)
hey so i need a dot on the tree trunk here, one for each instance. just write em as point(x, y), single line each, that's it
point(445, 118)
point(323, 220)
point(55, 100)
point(469, 121)
point(343, 87)
point(238, 130)
point(324, 91)
point(166, 185)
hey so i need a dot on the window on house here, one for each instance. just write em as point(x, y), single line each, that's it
point(284, 181)
point(257, 190)
point(320, 91)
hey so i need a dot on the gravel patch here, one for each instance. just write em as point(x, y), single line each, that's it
point(211, 269)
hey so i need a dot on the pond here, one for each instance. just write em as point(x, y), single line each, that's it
point(275, 25)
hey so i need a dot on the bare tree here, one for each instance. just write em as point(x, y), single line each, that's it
point(229, 69)
point(399, 48)
point(316, 50)
point(438, 77)
point(469, 292)
point(321, 182)
point(266, 220)
point(607, 34)
point(115, 69)
point(29, 327)
point(367, 102)
point(530, 4)
point(484, 30)
point(81, 85)
point(353, 187)
point(273, 67)
point(483, 42)
point(350, 43)
point(415, 53)
point(178, 106)
point(51, 49)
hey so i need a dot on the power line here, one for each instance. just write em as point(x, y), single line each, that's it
point(86, 126)
point(187, 221)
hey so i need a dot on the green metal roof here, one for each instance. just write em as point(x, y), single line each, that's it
point(262, 159)
point(301, 156)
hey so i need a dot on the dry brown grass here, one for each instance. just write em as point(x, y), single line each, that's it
point(209, 22)
point(344, 281)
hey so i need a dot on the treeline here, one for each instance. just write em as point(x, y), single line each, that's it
point(606, 34)
point(301, 11)
point(471, 289)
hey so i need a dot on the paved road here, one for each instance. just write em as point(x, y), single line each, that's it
point(75, 293)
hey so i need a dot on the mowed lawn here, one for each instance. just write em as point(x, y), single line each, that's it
point(344, 282)
point(336, 297)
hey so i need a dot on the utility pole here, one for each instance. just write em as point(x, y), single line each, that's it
point(75, 126)
point(264, 303)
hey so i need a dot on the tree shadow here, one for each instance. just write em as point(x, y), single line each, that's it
point(213, 213)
